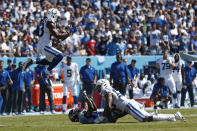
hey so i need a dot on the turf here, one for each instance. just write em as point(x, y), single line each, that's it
point(127, 123)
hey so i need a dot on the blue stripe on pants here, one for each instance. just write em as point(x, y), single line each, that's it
point(52, 49)
point(135, 112)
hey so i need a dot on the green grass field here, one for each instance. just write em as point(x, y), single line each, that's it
point(127, 123)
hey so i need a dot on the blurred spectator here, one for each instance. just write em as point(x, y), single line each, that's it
point(29, 81)
point(160, 94)
point(183, 43)
point(134, 74)
point(119, 73)
point(155, 36)
point(18, 89)
point(113, 47)
point(92, 18)
point(9, 87)
point(5, 79)
point(165, 40)
point(174, 44)
point(102, 46)
point(91, 46)
point(194, 44)
point(148, 87)
point(45, 86)
point(88, 77)
point(190, 76)
point(25, 49)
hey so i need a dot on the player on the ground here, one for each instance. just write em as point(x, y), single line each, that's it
point(92, 115)
point(179, 76)
point(166, 65)
point(129, 106)
point(45, 31)
point(70, 76)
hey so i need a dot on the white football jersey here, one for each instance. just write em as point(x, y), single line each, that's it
point(118, 100)
point(45, 35)
point(177, 71)
point(165, 69)
point(154, 37)
point(70, 73)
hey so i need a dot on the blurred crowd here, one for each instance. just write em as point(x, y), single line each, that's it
point(101, 27)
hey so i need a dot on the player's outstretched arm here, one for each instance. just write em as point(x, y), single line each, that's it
point(55, 33)
point(108, 98)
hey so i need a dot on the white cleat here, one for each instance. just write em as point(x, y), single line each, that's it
point(172, 119)
point(53, 112)
point(42, 112)
point(178, 116)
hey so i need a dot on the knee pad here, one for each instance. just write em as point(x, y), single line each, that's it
point(178, 91)
point(60, 56)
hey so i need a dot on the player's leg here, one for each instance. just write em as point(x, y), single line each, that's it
point(65, 93)
point(183, 95)
point(54, 56)
point(178, 87)
point(166, 117)
point(134, 110)
point(171, 84)
point(73, 89)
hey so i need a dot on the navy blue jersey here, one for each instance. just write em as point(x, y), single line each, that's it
point(190, 74)
point(4, 77)
point(41, 73)
point(133, 71)
point(119, 71)
point(18, 78)
point(29, 77)
point(159, 89)
point(88, 73)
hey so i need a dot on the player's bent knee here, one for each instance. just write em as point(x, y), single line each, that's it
point(178, 91)
point(60, 56)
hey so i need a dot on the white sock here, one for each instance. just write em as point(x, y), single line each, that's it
point(75, 105)
point(173, 101)
point(64, 107)
point(162, 117)
point(179, 99)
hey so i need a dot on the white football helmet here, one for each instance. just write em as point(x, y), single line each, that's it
point(102, 83)
point(53, 15)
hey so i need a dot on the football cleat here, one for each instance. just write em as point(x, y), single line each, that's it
point(28, 63)
point(178, 116)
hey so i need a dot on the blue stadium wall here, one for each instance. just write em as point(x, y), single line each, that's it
point(101, 64)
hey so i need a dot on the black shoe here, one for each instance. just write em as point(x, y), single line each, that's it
point(28, 63)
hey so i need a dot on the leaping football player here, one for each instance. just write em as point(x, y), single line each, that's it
point(45, 31)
